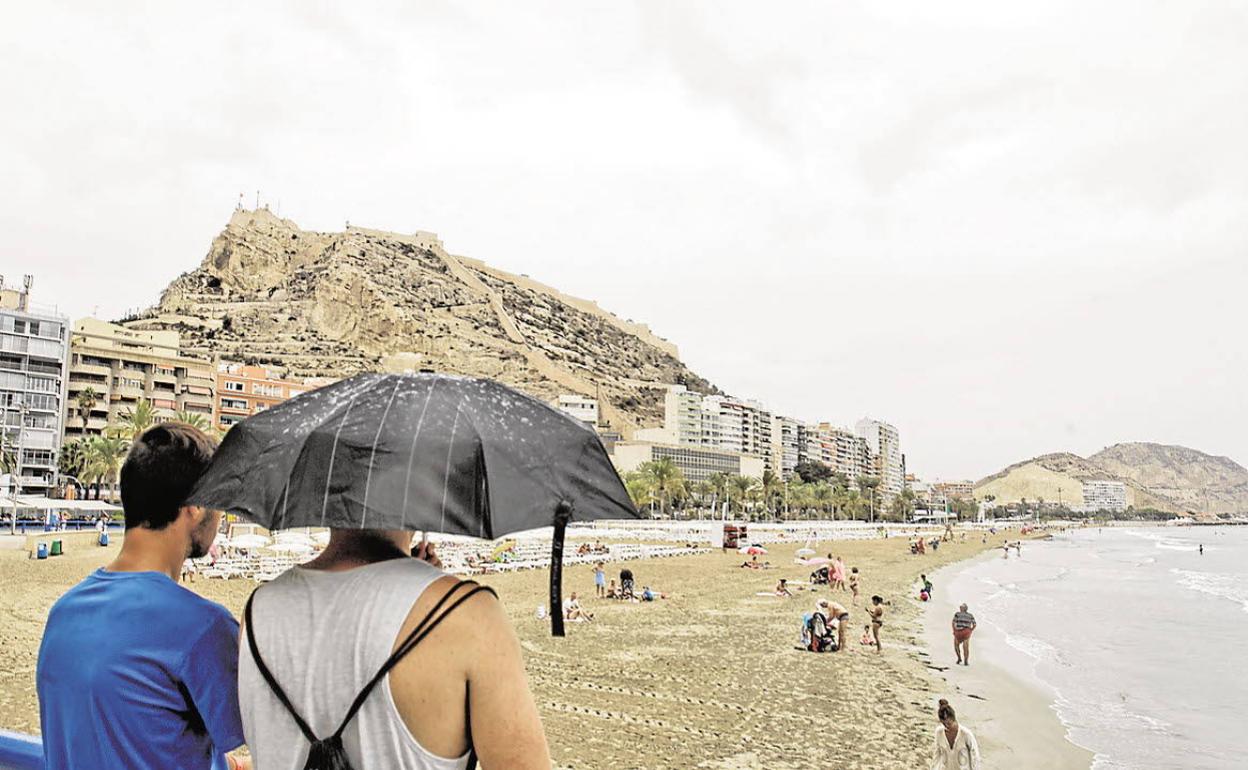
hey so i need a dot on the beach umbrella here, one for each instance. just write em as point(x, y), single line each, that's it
point(752, 550)
point(249, 541)
point(424, 452)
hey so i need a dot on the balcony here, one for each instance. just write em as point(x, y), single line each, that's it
point(93, 369)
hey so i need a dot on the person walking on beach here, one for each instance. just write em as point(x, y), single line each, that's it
point(963, 627)
point(956, 747)
point(157, 686)
point(853, 584)
point(441, 652)
point(600, 580)
point(877, 618)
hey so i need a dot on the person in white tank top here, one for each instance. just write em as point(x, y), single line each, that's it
point(325, 629)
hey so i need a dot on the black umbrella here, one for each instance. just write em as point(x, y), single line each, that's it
point(417, 452)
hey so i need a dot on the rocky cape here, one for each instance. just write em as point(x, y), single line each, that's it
point(312, 305)
point(1165, 477)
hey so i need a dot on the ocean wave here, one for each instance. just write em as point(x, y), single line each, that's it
point(1229, 587)
point(1036, 649)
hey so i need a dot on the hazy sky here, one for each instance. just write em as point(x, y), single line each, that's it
point(1007, 228)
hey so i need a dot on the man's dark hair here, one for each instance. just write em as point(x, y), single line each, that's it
point(163, 465)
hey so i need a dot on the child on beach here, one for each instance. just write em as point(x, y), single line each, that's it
point(866, 636)
point(853, 583)
point(782, 588)
point(600, 580)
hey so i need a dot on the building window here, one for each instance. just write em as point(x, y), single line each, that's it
point(237, 387)
point(274, 391)
point(229, 420)
point(233, 403)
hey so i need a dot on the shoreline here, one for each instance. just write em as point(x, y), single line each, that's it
point(1011, 712)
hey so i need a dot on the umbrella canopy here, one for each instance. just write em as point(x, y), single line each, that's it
point(753, 550)
point(416, 452)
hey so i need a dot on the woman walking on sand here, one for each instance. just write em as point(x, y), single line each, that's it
point(838, 573)
point(956, 748)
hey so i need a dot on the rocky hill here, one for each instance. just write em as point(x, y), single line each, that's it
point(314, 304)
point(1192, 479)
point(1168, 478)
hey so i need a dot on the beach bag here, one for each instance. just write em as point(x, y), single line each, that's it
point(329, 753)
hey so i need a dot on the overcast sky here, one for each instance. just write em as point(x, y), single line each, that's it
point(1007, 228)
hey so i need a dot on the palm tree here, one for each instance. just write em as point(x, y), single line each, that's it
point(824, 497)
point(867, 486)
point(72, 461)
point(87, 400)
point(665, 479)
point(742, 486)
point(702, 490)
point(903, 505)
point(638, 487)
point(135, 421)
point(771, 485)
point(193, 419)
point(106, 455)
point(719, 483)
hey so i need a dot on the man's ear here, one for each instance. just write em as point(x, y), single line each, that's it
point(195, 512)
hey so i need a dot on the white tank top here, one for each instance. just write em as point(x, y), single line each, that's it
point(323, 635)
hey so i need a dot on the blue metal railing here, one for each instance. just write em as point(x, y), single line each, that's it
point(20, 752)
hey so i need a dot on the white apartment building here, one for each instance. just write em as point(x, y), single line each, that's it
point(33, 356)
point(785, 445)
point(683, 417)
point(579, 407)
point(1104, 496)
point(884, 444)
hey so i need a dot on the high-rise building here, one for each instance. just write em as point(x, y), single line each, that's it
point(1104, 496)
point(112, 368)
point(884, 444)
point(742, 426)
point(785, 445)
point(683, 417)
point(32, 388)
point(242, 391)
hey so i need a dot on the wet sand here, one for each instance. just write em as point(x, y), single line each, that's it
point(1010, 713)
point(708, 678)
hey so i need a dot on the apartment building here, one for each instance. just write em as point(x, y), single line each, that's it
point(785, 445)
point(696, 463)
point(120, 367)
point(952, 490)
point(884, 444)
point(683, 418)
point(243, 390)
point(1104, 496)
point(33, 354)
point(579, 407)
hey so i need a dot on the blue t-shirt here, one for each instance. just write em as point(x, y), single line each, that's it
point(137, 672)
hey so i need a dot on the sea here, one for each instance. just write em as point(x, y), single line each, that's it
point(1139, 637)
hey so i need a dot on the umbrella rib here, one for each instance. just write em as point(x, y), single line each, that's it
point(333, 452)
point(368, 479)
point(407, 480)
point(450, 448)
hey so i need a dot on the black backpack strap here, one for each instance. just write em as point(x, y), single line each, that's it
point(268, 675)
point(417, 635)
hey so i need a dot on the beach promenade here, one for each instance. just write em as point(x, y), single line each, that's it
point(708, 678)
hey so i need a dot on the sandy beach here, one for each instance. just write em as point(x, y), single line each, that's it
point(708, 678)
point(1010, 713)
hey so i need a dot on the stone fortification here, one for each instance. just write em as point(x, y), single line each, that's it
point(313, 304)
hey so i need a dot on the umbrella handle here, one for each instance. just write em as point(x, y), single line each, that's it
point(563, 513)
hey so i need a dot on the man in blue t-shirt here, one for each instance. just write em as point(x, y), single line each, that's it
point(134, 670)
